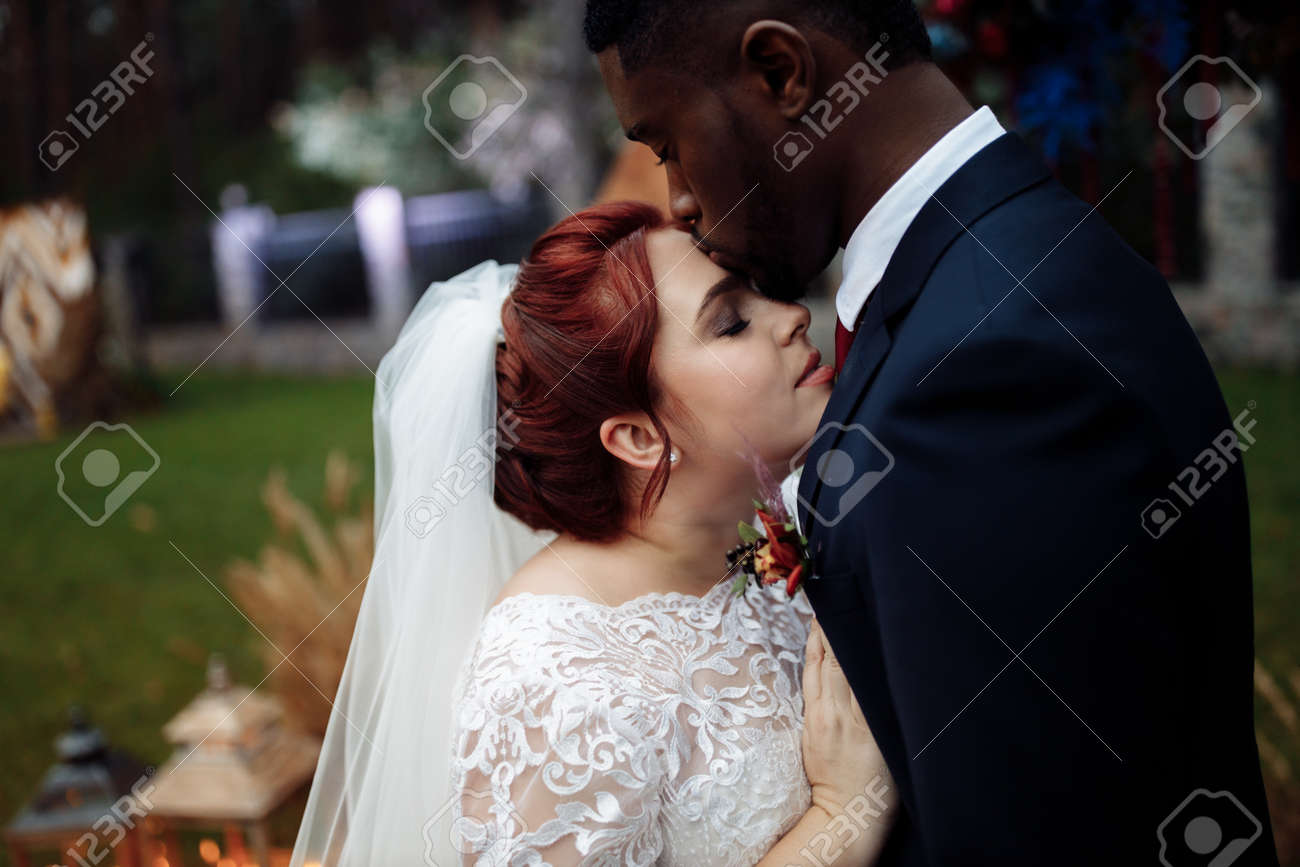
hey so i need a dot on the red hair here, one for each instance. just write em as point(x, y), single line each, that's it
point(579, 329)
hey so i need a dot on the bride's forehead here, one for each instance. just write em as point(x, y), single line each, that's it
point(680, 269)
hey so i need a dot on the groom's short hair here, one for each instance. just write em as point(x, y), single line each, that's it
point(646, 31)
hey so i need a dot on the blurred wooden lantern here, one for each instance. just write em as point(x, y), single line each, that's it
point(235, 762)
point(89, 805)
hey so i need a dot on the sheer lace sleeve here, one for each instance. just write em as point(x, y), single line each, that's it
point(557, 763)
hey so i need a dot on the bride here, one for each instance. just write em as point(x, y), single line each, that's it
point(550, 666)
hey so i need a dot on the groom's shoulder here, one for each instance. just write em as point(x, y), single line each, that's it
point(1048, 230)
point(1040, 283)
point(1058, 253)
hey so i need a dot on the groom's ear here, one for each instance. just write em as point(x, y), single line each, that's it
point(631, 438)
point(781, 59)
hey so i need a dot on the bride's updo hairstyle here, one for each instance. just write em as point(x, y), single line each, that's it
point(579, 329)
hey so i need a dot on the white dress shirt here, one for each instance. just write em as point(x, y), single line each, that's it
point(873, 242)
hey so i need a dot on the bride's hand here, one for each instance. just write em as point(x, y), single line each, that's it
point(853, 801)
point(840, 755)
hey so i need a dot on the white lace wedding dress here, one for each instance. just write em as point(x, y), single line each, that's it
point(665, 730)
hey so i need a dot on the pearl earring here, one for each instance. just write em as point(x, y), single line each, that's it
point(672, 457)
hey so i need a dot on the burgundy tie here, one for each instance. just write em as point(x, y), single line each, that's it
point(844, 338)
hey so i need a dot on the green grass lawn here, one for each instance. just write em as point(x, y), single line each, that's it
point(1273, 476)
point(115, 619)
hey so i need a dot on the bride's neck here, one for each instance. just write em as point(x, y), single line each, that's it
point(681, 547)
point(689, 557)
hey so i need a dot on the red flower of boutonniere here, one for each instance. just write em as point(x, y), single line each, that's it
point(778, 553)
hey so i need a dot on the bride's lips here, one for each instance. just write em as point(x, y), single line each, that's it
point(814, 372)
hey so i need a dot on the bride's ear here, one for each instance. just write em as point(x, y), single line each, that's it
point(631, 438)
point(781, 57)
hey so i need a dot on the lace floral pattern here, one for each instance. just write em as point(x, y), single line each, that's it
point(665, 730)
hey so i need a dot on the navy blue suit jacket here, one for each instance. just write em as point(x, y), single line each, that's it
point(1050, 665)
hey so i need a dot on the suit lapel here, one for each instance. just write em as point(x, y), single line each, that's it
point(1001, 170)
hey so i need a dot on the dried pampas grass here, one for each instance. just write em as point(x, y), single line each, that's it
point(1276, 758)
point(305, 589)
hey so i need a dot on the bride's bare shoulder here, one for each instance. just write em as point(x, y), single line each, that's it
point(556, 569)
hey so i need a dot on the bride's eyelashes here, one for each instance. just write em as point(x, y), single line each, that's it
point(730, 320)
point(730, 325)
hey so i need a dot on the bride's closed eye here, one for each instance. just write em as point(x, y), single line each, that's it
point(730, 320)
point(734, 327)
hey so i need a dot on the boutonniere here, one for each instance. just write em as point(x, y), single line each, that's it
point(776, 554)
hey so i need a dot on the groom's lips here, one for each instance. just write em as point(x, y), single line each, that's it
point(730, 261)
point(738, 265)
point(727, 261)
point(722, 260)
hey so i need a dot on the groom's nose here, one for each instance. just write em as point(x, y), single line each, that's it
point(682, 204)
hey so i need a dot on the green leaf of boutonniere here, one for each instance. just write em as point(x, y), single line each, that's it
point(748, 534)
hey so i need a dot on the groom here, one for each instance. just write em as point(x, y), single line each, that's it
point(1026, 505)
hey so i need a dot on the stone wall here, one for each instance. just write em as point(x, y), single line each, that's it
point(1242, 311)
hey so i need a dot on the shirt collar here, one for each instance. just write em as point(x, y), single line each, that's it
point(874, 240)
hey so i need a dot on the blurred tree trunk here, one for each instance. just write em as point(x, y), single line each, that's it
point(307, 28)
point(233, 58)
point(58, 94)
point(20, 70)
point(128, 31)
point(578, 87)
point(484, 23)
point(170, 81)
